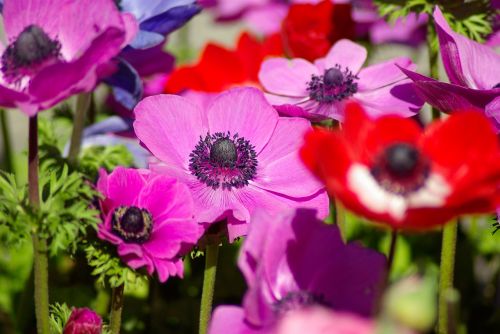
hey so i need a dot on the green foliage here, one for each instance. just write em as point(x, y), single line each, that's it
point(472, 18)
point(107, 157)
point(108, 268)
point(59, 315)
point(65, 212)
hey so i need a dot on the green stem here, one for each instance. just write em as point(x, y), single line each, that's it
point(392, 252)
point(115, 318)
point(82, 105)
point(207, 295)
point(432, 47)
point(7, 148)
point(447, 268)
point(40, 252)
point(339, 218)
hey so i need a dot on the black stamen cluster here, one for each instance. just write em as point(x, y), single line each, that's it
point(223, 160)
point(132, 224)
point(333, 86)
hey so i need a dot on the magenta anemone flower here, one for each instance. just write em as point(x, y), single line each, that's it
point(236, 156)
point(67, 44)
point(319, 91)
point(473, 70)
point(292, 261)
point(149, 218)
point(83, 321)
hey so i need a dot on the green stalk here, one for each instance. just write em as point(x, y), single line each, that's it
point(115, 318)
point(40, 261)
point(7, 147)
point(392, 252)
point(338, 216)
point(207, 295)
point(432, 47)
point(447, 270)
point(82, 105)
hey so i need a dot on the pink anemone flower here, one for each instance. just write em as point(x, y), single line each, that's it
point(149, 218)
point(236, 156)
point(58, 48)
point(320, 91)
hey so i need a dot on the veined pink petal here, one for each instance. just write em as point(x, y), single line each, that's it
point(170, 126)
point(243, 111)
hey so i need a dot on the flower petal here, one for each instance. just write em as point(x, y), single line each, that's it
point(346, 54)
point(124, 178)
point(466, 62)
point(170, 126)
point(246, 112)
point(286, 77)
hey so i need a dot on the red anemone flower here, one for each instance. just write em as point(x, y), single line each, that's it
point(390, 170)
point(309, 30)
point(219, 68)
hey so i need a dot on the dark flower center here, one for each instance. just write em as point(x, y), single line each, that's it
point(334, 85)
point(297, 300)
point(132, 224)
point(401, 169)
point(31, 48)
point(497, 85)
point(222, 160)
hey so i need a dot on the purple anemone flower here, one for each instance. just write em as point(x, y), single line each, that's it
point(292, 261)
point(149, 218)
point(157, 18)
point(46, 44)
point(318, 91)
point(236, 156)
point(472, 68)
point(83, 321)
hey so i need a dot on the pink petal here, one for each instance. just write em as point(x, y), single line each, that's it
point(124, 185)
point(166, 198)
point(280, 168)
point(170, 126)
point(246, 112)
point(382, 74)
point(286, 77)
point(346, 54)
point(394, 99)
point(166, 241)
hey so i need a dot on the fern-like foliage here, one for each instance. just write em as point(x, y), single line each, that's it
point(470, 18)
point(59, 315)
point(108, 267)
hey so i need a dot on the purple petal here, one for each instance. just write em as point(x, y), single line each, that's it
point(448, 97)
point(170, 126)
point(286, 77)
point(126, 84)
point(141, 60)
point(492, 110)
point(466, 62)
point(410, 30)
point(246, 112)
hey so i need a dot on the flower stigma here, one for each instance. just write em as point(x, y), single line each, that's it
point(222, 160)
point(132, 224)
point(334, 85)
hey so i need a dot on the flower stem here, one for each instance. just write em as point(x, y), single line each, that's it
point(82, 105)
point(40, 261)
point(7, 148)
point(432, 47)
point(207, 295)
point(447, 269)
point(392, 251)
point(115, 318)
point(339, 217)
